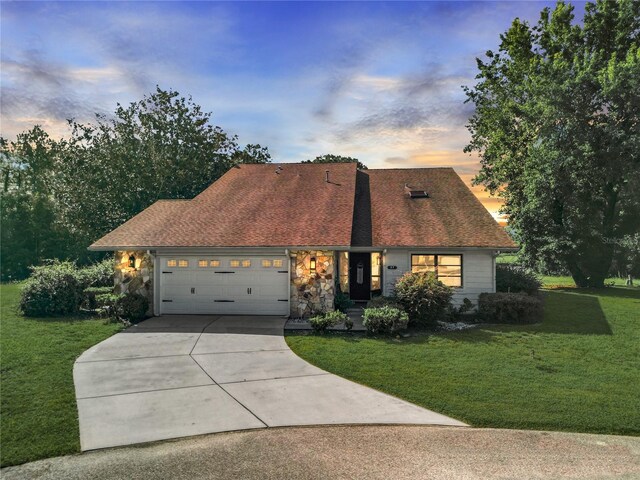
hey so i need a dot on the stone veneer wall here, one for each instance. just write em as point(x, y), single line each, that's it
point(134, 280)
point(312, 293)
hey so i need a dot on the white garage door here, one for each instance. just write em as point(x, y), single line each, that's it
point(249, 285)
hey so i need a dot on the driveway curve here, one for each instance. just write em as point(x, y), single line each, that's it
point(177, 376)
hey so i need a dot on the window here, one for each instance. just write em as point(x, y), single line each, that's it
point(448, 268)
point(172, 263)
point(214, 263)
point(234, 263)
point(277, 263)
point(183, 263)
point(203, 263)
point(246, 263)
point(266, 263)
point(343, 271)
point(376, 271)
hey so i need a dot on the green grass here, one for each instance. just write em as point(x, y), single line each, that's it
point(38, 415)
point(579, 370)
point(554, 282)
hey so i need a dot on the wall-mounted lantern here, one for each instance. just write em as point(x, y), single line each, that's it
point(312, 265)
point(132, 262)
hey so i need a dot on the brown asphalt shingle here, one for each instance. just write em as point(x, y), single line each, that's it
point(452, 216)
point(253, 206)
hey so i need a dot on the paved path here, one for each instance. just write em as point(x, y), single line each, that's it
point(176, 376)
point(356, 452)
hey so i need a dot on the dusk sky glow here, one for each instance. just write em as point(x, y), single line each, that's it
point(377, 81)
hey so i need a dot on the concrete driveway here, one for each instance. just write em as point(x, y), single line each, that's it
point(176, 376)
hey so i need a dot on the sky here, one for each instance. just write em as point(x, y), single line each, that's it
point(380, 81)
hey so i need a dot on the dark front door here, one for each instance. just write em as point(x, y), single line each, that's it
point(359, 276)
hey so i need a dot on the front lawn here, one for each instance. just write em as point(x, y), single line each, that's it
point(577, 371)
point(38, 415)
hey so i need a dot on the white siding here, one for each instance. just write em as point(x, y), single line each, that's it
point(478, 270)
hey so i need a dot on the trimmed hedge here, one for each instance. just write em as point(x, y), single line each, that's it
point(51, 290)
point(513, 278)
point(423, 297)
point(515, 308)
point(58, 288)
point(320, 323)
point(385, 320)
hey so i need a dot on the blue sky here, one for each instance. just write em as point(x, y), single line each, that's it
point(377, 81)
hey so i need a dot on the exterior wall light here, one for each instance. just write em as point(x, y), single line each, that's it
point(312, 265)
point(132, 262)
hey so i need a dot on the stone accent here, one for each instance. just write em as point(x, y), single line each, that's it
point(312, 293)
point(134, 280)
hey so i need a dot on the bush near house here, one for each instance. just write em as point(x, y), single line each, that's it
point(131, 307)
point(510, 308)
point(423, 297)
point(342, 301)
point(514, 278)
point(320, 323)
point(58, 288)
point(377, 302)
point(385, 320)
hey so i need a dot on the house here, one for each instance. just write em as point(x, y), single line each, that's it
point(280, 239)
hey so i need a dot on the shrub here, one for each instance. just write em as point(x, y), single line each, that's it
point(510, 308)
point(513, 278)
point(320, 323)
point(423, 297)
point(385, 320)
point(342, 301)
point(132, 307)
point(97, 275)
point(377, 302)
point(57, 288)
point(51, 290)
point(91, 293)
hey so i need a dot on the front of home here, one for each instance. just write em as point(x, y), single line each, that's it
point(282, 239)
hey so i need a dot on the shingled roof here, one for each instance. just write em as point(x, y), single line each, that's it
point(292, 205)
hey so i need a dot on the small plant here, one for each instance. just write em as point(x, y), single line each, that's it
point(132, 307)
point(348, 324)
point(342, 302)
point(423, 297)
point(320, 323)
point(510, 308)
point(515, 279)
point(385, 320)
point(457, 312)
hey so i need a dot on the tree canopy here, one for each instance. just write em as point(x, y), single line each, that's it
point(329, 158)
point(60, 195)
point(557, 128)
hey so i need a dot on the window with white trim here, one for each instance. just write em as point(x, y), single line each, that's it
point(448, 268)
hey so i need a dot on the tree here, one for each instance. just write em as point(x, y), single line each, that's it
point(30, 232)
point(161, 147)
point(60, 196)
point(557, 127)
point(329, 158)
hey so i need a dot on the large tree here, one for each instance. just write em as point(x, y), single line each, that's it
point(330, 158)
point(59, 196)
point(557, 128)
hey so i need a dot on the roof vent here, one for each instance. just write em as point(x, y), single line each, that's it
point(415, 192)
point(326, 176)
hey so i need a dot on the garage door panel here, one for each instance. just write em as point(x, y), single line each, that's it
point(257, 289)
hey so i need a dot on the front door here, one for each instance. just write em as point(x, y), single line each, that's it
point(360, 276)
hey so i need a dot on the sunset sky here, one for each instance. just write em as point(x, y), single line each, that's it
point(377, 81)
